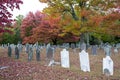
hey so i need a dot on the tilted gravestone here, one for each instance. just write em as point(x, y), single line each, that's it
point(65, 58)
point(107, 66)
point(84, 61)
point(50, 56)
point(3, 67)
point(16, 52)
point(9, 51)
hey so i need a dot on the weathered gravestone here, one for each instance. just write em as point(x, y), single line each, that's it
point(73, 46)
point(16, 52)
point(9, 51)
point(83, 46)
point(47, 47)
point(107, 49)
point(107, 66)
point(27, 48)
point(115, 50)
point(30, 53)
point(37, 53)
point(19, 47)
point(118, 45)
point(50, 54)
point(65, 58)
point(84, 61)
point(94, 49)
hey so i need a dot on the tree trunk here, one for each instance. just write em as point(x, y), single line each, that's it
point(54, 41)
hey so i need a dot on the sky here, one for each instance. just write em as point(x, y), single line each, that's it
point(27, 6)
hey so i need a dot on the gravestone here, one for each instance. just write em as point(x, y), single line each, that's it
point(30, 53)
point(94, 49)
point(47, 47)
point(83, 46)
point(115, 50)
point(9, 51)
point(27, 48)
point(73, 46)
point(84, 61)
point(107, 66)
point(50, 56)
point(118, 45)
point(37, 53)
point(107, 50)
point(78, 45)
point(65, 58)
point(16, 52)
point(20, 47)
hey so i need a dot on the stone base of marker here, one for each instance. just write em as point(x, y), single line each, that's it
point(52, 63)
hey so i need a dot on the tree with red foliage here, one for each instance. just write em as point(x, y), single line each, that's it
point(29, 22)
point(40, 27)
point(5, 14)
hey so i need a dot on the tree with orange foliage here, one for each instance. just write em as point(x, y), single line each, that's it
point(48, 30)
point(111, 24)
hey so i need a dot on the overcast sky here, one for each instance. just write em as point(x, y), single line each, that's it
point(27, 6)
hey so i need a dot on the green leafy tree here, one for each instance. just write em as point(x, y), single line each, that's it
point(17, 25)
point(81, 14)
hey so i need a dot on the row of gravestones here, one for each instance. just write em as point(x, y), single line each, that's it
point(84, 60)
point(72, 45)
point(107, 47)
point(85, 63)
point(28, 49)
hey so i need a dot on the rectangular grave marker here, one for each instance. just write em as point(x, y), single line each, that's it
point(107, 66)
point(65, 58)
point(84, 61)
